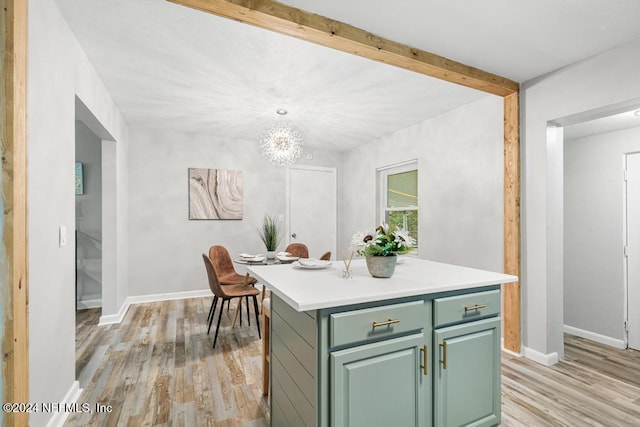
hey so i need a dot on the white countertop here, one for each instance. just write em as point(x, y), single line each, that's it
point(315, 289)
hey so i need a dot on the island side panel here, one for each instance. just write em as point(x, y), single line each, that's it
point(293, 365)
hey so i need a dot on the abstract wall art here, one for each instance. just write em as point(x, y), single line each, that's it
point(215, 194)
point(79, 179)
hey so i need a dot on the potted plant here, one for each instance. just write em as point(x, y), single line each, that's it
point(381, 246)
point(270, 234)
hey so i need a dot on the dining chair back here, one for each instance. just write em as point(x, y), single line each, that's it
point(326, 256)
point(299, 250)
point(223, 265)
point(226, 293)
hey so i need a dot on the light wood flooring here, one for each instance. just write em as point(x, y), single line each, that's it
point(157, 368)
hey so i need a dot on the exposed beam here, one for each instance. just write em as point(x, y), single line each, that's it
point(511, 291)
point(13, 275)
point(317, 29)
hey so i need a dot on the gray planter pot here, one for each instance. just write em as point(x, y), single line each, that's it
point(382, 266)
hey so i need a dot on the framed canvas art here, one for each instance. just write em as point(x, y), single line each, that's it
point(215, 194)
point(79, 182)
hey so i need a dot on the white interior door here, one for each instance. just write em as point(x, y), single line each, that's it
point(633, 249)
point(312, 209)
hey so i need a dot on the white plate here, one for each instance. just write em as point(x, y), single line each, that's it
point(287, 259)
point(257, 258)
point(316, 265)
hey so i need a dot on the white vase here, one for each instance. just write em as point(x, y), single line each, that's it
point(382, 266)
point(271, 254)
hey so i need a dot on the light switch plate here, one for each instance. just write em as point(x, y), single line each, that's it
point(62, 236)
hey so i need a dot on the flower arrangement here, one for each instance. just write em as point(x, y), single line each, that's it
point(384, 240)
point(270, 233)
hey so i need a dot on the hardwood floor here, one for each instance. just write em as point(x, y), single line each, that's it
point(158, 368)
point(595, 385)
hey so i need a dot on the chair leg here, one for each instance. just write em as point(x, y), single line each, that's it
point(248, 315)
point(217, 327)
point(255, 305)
point(213, 302)
point(213, 311)
point(237, 311)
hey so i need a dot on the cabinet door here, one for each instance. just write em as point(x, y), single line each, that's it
point(381, 384)
point(467, 374)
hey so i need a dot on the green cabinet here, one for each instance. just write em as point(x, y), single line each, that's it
point(416, 361)
point(381, 384)
point(467, 374)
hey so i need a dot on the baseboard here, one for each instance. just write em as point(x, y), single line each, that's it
point(89, 303)
point(111, 319)
point(141, 299)
point(546, 359)
point(72, 396)
point(602, 339)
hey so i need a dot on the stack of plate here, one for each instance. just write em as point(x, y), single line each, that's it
point(312, 263)
point(286, 258)
point(252, 258)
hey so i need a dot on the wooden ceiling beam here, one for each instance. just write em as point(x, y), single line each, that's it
point(288, 20)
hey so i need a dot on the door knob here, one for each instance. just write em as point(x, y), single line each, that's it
point(293, 235)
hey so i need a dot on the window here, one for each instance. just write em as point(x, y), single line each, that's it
point(398, 200)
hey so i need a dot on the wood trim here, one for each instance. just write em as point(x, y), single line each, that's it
point(288, 20)
point(511, 291)
point(13, 121)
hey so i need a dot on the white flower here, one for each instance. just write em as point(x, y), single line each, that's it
point(403, 239)
point(362, 238)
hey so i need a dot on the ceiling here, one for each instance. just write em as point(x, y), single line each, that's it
point(175, 68)
point(615, 122)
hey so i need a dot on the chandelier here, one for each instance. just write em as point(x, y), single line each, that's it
point(281, 143)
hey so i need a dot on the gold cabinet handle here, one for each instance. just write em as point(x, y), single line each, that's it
point(444, 355)
point(385, 323)
point(424, 359)
point(474, 307)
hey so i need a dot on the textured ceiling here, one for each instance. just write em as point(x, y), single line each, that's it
point(171, 67)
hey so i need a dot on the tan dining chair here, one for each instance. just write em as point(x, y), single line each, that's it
point(227, 274)
point(326, 256)
point(226, 293)
point(299, 250)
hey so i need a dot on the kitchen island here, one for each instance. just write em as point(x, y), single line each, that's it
point(418, 349)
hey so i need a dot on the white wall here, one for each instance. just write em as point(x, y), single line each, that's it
point(58, 71)
point(165, 247)
point(460, 184)
point(579, 91)
point(593, 231)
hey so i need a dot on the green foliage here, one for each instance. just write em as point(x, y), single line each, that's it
point(270, 233)
point(385, 240)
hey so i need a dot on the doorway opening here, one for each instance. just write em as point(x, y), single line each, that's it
point(95, 233)
point(595, 223)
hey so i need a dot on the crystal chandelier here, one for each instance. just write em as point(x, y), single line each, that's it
point(281, 143)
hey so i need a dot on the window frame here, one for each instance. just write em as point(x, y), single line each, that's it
point(382, 175)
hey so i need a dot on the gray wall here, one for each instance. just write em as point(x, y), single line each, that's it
point(58, 72)
point(89, 215)
point(164, 245)
point(575, 93)
point(593, 231)
point(460, 184)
